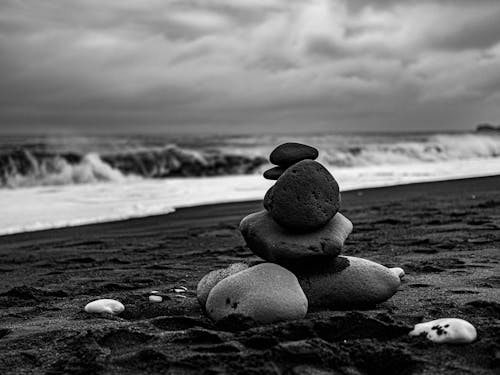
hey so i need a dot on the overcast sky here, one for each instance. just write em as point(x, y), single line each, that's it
point(248, 65)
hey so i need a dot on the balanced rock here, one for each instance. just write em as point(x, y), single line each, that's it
point(346, 282)
point(446, 330)
point(286, 247)
point(208, 281)
point(265, 293)
point(304, 198)
point(288, 154)
point(274, 173)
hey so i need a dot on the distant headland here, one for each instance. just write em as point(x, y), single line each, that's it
point(487, 128)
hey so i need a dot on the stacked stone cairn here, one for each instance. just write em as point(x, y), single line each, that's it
point(300, 234)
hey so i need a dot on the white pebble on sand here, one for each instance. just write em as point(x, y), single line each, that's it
point(180, 289)
point(399, 272)
point(110, 306)
point(155, 298)
point(446, 331)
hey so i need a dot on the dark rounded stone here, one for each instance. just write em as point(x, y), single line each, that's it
point(267, 198)
point(290, 248)
point(288, 154)
point(274, 173)
point(304, 198)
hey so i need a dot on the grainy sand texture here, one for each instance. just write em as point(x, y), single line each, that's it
point(445, 235)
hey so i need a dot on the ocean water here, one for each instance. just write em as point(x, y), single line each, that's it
point(49, 182)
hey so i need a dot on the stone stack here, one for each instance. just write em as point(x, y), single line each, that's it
point(301, 222)
point(302, 231)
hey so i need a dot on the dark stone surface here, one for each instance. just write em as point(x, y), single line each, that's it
point(267, 198)
point(274, 173)
point(288, 248)
point(288, 154)
point(304, 198)
point(360, 283)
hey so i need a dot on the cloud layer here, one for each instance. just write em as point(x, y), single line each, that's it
point(248, 65)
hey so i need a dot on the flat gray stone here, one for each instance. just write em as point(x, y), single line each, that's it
point(277, 244)
point(348, 282)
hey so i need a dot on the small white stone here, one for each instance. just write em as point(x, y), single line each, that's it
point(154, 292)
point(155, 298)
point(447, 330)
point(180, 289)
point(399, 272)
point(110, 306)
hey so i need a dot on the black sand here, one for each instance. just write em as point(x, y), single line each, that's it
point(446, 236)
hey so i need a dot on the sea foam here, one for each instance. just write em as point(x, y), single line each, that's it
point(35, 208)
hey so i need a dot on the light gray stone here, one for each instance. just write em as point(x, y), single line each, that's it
point(208, 281)
point(348, 282)
point(265, 293)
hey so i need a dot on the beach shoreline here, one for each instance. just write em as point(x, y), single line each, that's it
point(400, 190)
point(445, 235)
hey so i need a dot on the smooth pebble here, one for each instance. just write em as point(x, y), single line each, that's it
point(155, 298)
point(446, 331)
point(290, 153)
point(208, 281)
point(346, 282)
point(399, 272)
point(110, 306)
point(273, 173)
point(265, 293)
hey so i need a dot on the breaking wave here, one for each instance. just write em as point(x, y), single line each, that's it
point(28, 166)
point(436, 148)
point(21, 168)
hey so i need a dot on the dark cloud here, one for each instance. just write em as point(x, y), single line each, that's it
point(480, 33)
point(226, 65)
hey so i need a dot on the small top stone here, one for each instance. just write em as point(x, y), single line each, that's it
point(274, 173)
point(290, 153)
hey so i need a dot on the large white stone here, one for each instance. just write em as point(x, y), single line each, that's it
point(348, 282)
point(110, 306)
point(266, 293)
point(446, 331)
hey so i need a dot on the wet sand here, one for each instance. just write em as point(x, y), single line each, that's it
point(445, 235)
